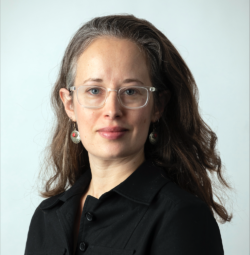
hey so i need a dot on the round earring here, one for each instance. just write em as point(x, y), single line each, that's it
point(75, 136)
point(153, 137)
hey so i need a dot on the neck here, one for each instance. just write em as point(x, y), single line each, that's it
point(108, 173)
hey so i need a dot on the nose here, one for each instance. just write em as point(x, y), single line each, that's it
point(112, 107)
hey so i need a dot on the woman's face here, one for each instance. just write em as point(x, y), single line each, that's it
point(110, 61)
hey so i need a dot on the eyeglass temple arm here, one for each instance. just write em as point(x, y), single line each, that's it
point(72, 88)
point(150, 88)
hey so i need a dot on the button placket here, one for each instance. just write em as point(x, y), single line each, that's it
point(83, 245)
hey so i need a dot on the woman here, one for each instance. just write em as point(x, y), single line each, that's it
point(131, 155)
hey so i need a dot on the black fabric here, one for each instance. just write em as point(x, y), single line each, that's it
point(146, 214)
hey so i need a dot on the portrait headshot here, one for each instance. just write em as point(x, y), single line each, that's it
point(125, 127)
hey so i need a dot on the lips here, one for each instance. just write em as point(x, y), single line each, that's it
point(112, 132)
point(112, 129)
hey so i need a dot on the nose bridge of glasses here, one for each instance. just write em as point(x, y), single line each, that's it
point(108, 90)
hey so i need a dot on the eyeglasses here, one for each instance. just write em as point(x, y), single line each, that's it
point(131, 97)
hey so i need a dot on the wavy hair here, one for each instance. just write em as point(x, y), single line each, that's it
point(187, 148)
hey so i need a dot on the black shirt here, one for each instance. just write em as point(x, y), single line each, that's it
point(146, 214)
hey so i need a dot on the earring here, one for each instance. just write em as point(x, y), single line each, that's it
point(75, 136)
point(153, 137)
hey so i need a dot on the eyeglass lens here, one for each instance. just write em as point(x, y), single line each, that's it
point(94, 96)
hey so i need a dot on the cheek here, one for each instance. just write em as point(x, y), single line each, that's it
point(86, 119)
point(143, 122)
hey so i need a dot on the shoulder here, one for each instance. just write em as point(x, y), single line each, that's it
point(49, 202)
point(39, 213)
point(186, 224)
point(184, 210)
point(38, 230)
point(177, 198)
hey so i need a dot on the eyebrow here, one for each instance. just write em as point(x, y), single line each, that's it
point(124, 82)
point(93, 79)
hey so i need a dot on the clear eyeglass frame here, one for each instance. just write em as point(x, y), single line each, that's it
point(149, 89)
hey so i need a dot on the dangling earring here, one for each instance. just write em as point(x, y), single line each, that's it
point(153, 137)
point(75, 136)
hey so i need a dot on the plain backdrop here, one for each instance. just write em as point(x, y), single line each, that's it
point(213, 38)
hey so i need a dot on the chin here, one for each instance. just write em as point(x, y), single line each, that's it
point(111, 152)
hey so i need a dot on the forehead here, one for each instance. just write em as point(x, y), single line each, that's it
point(112, 58)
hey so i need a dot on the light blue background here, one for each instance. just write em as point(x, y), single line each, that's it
point(213, 38)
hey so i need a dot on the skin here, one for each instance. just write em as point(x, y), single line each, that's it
point(111, 161)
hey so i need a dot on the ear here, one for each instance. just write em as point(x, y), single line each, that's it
point(67, 100)
point(164, 98)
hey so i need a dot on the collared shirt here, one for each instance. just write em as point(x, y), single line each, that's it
point(146, 214)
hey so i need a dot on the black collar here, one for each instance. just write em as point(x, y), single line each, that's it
point(141, 186)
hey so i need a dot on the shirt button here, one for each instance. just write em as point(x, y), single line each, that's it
point(82, 246)
point(89, 216)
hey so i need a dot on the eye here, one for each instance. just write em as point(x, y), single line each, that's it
point(130, 91)
point(95, 91)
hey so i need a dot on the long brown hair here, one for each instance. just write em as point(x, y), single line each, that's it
point(187, 148)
